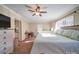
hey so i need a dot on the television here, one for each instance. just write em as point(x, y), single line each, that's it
point(4, 21)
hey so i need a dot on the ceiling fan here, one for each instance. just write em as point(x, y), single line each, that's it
point(36, 9)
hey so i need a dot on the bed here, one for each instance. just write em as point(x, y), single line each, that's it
point(47, 43)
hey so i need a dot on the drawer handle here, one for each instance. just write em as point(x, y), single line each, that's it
point(4, 37)
point(4, 42)
point(5, 48)
point(4, 32)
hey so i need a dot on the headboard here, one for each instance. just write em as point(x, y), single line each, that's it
point(75, 27)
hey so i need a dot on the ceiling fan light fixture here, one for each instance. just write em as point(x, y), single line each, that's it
point(36, 11)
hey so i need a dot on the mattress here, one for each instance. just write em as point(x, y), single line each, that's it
point(47, 43)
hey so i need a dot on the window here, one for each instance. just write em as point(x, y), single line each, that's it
point(67, 21)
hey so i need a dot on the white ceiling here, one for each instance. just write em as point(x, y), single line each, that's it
point(53, 11)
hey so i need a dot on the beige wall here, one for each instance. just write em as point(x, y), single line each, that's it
point(8, 12)
point(46, 26)
point(52, 24)
point(33, 27)
point(25, 27)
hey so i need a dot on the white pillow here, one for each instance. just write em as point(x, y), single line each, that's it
point(67, 33)
point(75, 35)
point(56, 31)
point(64, 32)
point(59, 31)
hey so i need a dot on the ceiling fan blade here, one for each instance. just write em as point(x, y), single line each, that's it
point(40, 15)
point(41, 7)
point(33, 14)
point(43, 11)
point(31, 10)
point(37, 6)
point(28, 6)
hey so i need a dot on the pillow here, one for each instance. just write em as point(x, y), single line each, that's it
point(75, 35)
point(56, 31)
point(64, 32)
point(59, 31)
point(67, 33)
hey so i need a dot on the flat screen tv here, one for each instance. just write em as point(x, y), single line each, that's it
point(4, 21)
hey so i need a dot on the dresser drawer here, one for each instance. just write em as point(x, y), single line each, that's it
point(5, 50)
point(1, 50)
point(3, 43)
point(5, 47)
point(1, 36)
point(2, 32)
point(8, 49)
point(6, 33)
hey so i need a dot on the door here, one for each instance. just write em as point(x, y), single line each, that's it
point(18, 31)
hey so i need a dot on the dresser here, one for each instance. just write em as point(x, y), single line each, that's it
point(6, 41)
